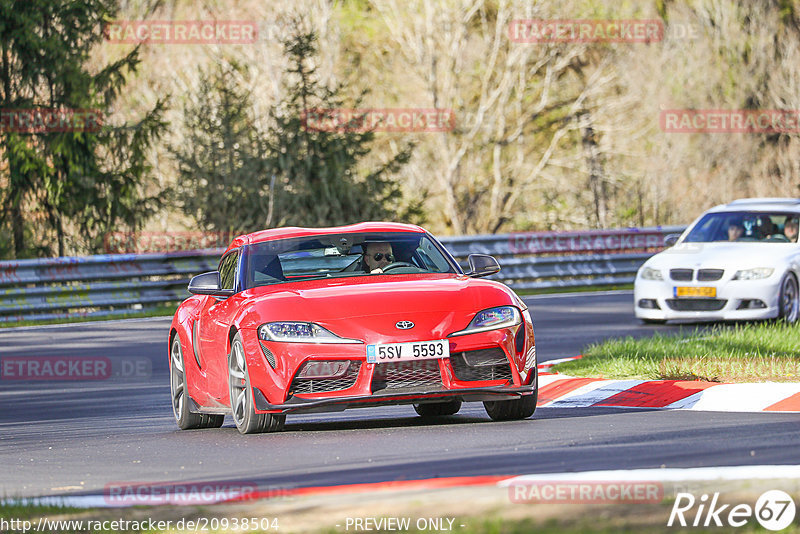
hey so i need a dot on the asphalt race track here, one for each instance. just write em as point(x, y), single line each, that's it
point(76, 437)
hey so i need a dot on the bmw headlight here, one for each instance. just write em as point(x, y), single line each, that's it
point(299, 332)
point(492, 319)
point(648, 273)
point(758, 273)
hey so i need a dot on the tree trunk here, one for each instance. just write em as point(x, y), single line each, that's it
point(597, 181)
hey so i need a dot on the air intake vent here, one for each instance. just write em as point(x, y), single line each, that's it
point(476, 365)
point(320, 385)
point(268, 354)
point(422, 374)
point(696, 304)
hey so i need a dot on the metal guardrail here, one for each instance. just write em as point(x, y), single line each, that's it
point(115, 284)
point(103, 285)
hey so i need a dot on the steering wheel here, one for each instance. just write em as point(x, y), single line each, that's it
point(397, 264)
point(778, 237)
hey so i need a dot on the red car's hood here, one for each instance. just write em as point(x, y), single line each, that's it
point(438, 304)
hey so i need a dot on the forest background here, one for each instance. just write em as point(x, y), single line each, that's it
point(545, 135)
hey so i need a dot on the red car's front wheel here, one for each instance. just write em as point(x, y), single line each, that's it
point(241, 394)
point(180, 406)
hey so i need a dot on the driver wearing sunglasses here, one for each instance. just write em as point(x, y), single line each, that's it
point(377, 255)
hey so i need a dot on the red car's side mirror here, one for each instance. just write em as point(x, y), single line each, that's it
point(208, 284)
point(482, 265)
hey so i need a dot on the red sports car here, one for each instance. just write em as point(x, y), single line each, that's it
point(324, 319)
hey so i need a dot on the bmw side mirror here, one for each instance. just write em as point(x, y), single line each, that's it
point(482, 265)
point(208, 284)
point(671, 239)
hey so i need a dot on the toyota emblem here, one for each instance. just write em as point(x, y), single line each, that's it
point(404, 325)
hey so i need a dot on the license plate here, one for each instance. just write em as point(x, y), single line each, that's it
point(695, 291)
point(412, 351)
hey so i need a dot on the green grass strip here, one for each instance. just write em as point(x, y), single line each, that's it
point(760, 352)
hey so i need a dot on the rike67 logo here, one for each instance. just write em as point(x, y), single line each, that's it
point(774, 510)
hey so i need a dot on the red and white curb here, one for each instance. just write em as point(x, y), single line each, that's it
point(563, 391)
point(663, 475)
point(671, 474)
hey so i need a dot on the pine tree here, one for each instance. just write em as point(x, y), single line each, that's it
point(236, 179)
point(85, 181)
point(222, 164)
point(318, 169)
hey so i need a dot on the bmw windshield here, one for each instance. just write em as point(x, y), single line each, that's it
point(743, 226)
point(344, 255)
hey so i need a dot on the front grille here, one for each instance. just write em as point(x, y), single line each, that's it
point(682, 275)
point(423, 374)
point(696, 304)
point(486, 364)
point(709, 275)
point(320, 385)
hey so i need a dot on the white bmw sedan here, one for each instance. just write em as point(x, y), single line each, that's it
point(737, 261)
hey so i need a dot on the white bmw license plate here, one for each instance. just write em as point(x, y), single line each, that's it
point(412, 351)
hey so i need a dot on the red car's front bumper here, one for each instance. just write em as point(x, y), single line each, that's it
point(494, 365)
point(338, 403)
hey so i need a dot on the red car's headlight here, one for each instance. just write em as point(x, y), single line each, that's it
point(299, 332)
point(491, 319)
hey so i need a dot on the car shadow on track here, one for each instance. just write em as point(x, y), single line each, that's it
point(366, 423)
point(375, 423)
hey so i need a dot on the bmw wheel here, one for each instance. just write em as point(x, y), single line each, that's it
point(241, 395)
point(788, 302)
point(177, 385)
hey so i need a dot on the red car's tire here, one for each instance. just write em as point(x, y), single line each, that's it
point(436, 409)
point(241, 396)
point(510, 410)
point(185, 419)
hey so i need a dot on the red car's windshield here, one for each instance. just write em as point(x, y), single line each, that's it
point(343, 255)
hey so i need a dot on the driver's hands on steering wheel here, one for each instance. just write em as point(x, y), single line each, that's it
point(393, 265)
